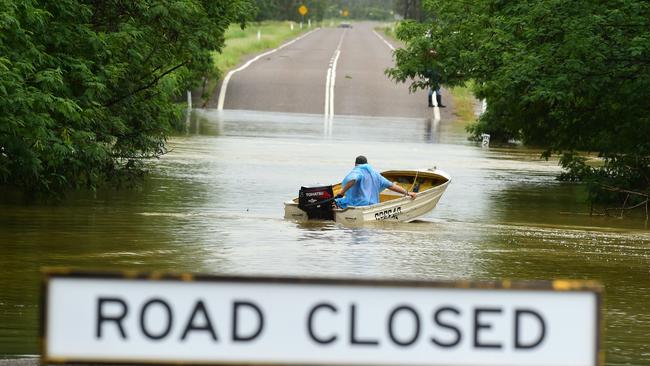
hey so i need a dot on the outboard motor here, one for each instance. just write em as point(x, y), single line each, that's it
point(309, 197)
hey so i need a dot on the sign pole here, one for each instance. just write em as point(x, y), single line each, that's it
point(302, 10)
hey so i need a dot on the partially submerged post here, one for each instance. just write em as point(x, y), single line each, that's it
point(436, 110)
point(485, 142)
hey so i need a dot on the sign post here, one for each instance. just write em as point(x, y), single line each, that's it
point(191, 319)
point(302, 10)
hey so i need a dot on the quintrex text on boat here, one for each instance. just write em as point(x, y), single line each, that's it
point(389, 214)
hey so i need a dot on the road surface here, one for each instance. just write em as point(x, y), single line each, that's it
point(294, 79)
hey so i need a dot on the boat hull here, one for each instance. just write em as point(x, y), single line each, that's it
point(397, 209)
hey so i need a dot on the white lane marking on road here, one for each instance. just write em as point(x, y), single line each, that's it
point(385, 41)
point(333, 82)
point(224, 85)
point(331, 79)
point(327, 90)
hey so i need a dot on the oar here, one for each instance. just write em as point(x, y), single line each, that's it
point(414, 180)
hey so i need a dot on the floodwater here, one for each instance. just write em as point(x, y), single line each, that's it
point(214, 205)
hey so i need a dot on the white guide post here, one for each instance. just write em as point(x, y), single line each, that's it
point(485, 142)
point(436, 110)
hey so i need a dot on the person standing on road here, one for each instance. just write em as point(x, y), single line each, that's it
point(362, 186)
point(433, 77)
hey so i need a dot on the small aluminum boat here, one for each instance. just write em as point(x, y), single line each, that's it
point(429, 184)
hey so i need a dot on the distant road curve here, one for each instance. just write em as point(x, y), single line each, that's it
point(330, 71)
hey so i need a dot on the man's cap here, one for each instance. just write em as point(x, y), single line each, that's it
point(361, 160)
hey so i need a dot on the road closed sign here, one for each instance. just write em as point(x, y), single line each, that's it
point(188, 319)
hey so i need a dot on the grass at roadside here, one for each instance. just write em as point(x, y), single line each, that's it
point(388, 29)
point(243, 42)
point(464, 103)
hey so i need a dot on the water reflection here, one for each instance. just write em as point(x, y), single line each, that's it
point(273, 124)
point(214, 205)
point(432, 130)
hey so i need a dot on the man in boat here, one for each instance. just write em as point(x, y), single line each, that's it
point(362, 186)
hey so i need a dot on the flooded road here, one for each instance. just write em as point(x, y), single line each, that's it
point(214, 205)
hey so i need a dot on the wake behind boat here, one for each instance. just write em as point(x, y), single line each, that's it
point(315, 203)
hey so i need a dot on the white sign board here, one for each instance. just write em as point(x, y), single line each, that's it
point(219, 320)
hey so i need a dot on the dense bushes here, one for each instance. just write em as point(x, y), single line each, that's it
point(567, 76)
point(87, 87)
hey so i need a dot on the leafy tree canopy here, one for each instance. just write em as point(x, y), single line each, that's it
point(87, 87)
point(409, 9)
point(567, 76)
point(320, 9)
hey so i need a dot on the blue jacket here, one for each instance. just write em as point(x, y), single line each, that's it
point(369, 183)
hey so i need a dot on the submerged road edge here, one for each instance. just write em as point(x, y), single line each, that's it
point(20, 361)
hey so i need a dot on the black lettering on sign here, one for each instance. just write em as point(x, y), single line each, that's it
point(353, 334)
point(416, 323)
point(199, 308)
point(391, 213)
point(436, 318)
point(542, 326)
point(117, 319)
point(143, 315)
point(478, 325)
point(236, 336)
point(310, 323)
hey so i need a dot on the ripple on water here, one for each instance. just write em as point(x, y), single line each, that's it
point(214, 205)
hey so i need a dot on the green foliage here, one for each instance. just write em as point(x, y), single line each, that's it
point(243, 42)
point(87, 88)
point(565, 76)
point(320, 9)
point(620, 178)
point(409, 9)
point(288, 10)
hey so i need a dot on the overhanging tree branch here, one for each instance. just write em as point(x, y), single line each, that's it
point(146, 86)
point(621, 190)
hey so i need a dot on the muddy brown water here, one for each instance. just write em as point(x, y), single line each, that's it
point(214, 205)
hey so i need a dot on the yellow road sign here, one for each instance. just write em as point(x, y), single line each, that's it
point(346, 12)
point(303, 10)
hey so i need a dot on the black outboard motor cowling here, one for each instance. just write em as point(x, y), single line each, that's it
point(309, 196)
